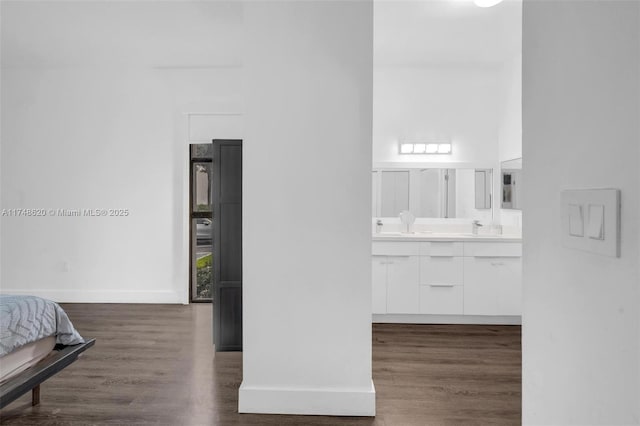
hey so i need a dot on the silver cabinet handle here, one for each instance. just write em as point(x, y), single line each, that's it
point(497, 263)
point(440, 285)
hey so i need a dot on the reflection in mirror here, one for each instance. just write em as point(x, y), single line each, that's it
point(436, 189)
point(483, 188)
point(395, 192)
point(433, 193)
point(511, 184)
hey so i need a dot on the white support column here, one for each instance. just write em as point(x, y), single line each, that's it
point(307, 208)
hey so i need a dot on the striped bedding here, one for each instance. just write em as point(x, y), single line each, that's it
point(26, 319)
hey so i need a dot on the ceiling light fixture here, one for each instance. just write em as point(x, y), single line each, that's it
point(486, 3)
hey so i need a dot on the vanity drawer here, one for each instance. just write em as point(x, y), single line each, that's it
point(441, 248)
point(441, 299)
point(383, 248)
point(483, 249)
point(441, 270)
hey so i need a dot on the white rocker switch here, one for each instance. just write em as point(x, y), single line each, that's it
point(576, 222)
point(595, 228)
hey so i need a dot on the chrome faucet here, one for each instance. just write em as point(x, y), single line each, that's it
point(474, 227)
point(379, 226)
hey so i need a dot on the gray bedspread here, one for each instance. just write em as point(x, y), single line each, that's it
point(25, 319)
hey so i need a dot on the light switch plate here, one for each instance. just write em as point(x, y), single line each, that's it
point(598, 213)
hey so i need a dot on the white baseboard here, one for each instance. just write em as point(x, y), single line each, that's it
point(447, 319)
point(327, 402)
point(84, 296)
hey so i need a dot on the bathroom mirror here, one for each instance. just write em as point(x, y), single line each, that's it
point(511, 184)
point(433, 192)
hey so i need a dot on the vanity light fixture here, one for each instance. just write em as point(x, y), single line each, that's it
point(432, 148)
point(406, 148)
point(444, 148)
point(425, 148)
point(419, 148)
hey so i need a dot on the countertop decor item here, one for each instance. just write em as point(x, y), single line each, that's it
point(407, 218)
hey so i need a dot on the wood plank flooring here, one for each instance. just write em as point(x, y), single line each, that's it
point(154, 364)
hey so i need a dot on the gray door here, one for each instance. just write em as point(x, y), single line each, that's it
point(227, 244)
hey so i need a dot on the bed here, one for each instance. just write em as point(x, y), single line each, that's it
point(37, 340)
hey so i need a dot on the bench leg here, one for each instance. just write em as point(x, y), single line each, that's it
point(35, 395)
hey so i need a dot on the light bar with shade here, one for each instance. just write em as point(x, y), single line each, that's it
point(425, 148)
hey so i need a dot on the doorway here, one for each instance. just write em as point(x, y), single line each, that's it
point(201, 219)
point(216, 236)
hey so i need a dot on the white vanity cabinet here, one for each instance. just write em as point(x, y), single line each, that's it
point(402, 292)
point(458, 281)
point(493, 279)
point(395, 270)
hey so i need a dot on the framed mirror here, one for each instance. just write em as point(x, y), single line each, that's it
point(433, 192)
point(511, 184)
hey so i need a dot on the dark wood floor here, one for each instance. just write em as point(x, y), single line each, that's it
point(154, 364)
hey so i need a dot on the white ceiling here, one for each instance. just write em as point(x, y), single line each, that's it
point(182, 33)
point(445, 32)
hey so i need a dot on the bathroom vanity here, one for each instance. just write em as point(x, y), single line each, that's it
point(461, 262)
point(446, 278)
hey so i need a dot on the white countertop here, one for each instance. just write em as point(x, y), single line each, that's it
point(435, 236)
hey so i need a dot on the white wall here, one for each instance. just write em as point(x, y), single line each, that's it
point(510, 109)
point(307, 201)
point(95, 137)
point(77, 139)
point(581, 319)
point(418, 103)
point(93, 118)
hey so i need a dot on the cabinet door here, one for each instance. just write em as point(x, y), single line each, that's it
point(509, 296)
point(379, 280)
point(402, 285)
point(480, 286)
point(492, 285)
